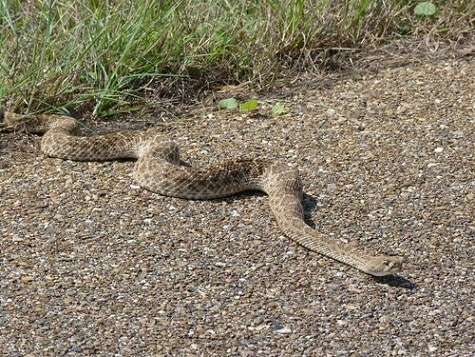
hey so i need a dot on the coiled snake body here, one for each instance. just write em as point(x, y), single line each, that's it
point(158, 169)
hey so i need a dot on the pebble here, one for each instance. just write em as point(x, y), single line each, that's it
point(91, 264)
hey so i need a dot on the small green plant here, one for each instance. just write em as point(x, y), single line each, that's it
point(278, 109)
point(229, 103)
point(232, 104)
point(425, 8)
point(249, 105)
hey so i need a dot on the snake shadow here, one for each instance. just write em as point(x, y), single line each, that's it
point(309, 205)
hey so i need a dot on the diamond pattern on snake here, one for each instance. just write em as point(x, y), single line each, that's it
point(158, 169)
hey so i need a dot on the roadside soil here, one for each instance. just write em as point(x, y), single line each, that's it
point(92, 264)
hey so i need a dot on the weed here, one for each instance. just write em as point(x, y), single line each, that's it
point(106, 56)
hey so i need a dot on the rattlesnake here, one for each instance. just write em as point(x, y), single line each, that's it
point(158, 169)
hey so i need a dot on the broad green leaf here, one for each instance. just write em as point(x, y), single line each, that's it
point(229, 103)
point(278, 109)
point(249, 105)
point(425, 8)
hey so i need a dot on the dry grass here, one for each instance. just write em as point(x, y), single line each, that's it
point(107, 56)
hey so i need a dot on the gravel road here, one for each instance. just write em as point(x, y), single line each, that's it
point(93, 265)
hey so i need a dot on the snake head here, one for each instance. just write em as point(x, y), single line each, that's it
point(386, 265)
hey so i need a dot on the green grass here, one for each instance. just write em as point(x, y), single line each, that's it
point(105, 56)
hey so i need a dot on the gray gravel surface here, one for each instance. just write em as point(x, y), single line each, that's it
point(93, 265)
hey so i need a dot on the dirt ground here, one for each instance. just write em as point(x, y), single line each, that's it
point(93, 265)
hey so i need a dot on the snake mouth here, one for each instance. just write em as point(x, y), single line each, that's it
point(383, 273)
point(392, 266)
